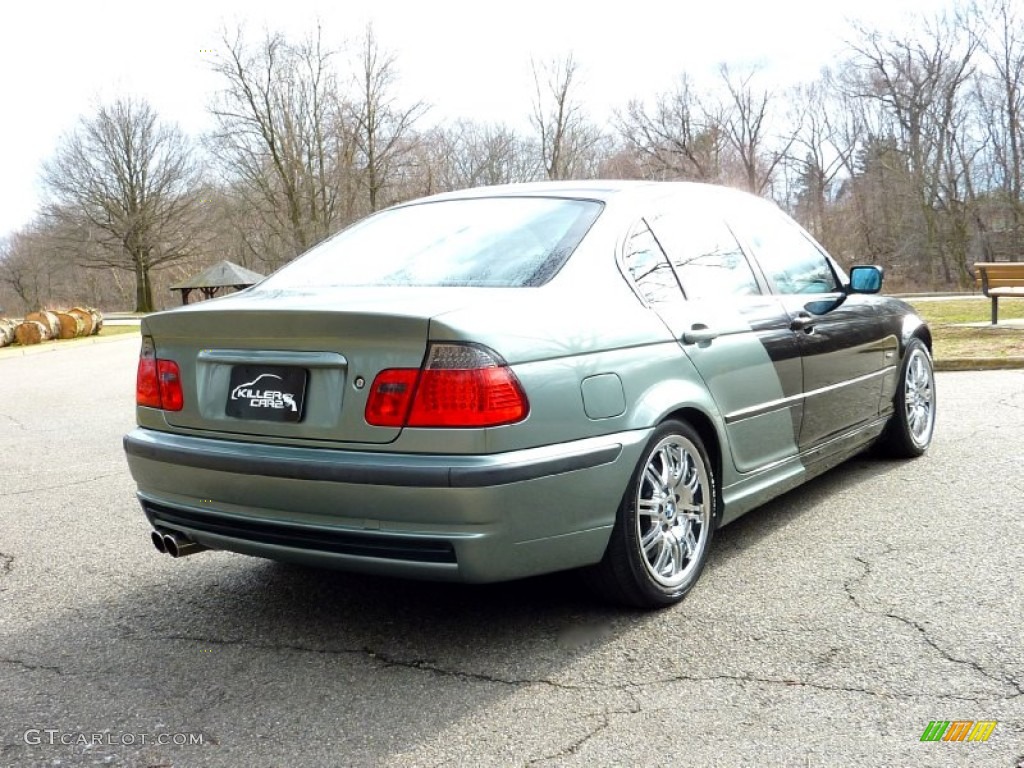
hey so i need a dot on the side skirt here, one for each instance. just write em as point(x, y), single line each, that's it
point(763, 485)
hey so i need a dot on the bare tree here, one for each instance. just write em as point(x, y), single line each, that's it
point(567, 138)
point(1000, 96)
point(381, 127)
point(732, 137)
point(823, 153)
point(127, 184)
point(281, 142)
point(470, 154)
point(747, 125)
point(41, 266)
point(678, 137)
point(917, 87)
point(25, 271)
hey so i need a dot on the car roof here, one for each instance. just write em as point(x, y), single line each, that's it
point(604, 190)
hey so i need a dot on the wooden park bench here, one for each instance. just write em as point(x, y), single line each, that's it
point(998, 279)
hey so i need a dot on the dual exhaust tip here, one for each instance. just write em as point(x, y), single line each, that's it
point(174, 544)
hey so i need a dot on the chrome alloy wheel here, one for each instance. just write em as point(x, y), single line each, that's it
point(919, 397)
point(673, 510)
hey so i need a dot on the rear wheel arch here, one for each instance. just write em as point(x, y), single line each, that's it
point(665, 522)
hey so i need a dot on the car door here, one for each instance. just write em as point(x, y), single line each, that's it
point(736, 335)
point(843, 341)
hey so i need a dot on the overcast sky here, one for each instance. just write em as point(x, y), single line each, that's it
point(465, 58)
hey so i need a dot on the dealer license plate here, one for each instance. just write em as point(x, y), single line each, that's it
point(267, 393)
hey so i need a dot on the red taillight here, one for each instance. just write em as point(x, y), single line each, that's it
point(476, 398)
point(390, 396)
point(461, 385)
point(147, 385)
point(158, 382)
point(170, 385)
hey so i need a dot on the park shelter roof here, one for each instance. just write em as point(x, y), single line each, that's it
point(223, 274)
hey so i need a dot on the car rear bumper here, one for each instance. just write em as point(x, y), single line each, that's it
point(448, 517)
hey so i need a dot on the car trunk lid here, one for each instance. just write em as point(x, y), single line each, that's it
point(295, 367)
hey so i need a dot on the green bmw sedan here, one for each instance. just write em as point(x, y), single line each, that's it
point(501, 382)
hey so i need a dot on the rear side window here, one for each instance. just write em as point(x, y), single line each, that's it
point(649, 268)
point(499, 242)
point(706, 256)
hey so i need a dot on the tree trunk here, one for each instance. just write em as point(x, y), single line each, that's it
point(31, 332)
point(143, 288)
point(71, 326)
point(48, 319)
point(87, 318)
point(7, 331)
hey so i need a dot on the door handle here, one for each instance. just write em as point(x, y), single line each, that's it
point(699, 334)
point(803, 321)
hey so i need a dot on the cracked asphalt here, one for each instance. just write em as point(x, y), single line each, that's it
point(830, 626)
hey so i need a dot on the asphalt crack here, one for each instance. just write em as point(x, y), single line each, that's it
point(59, 487)
point(6, 564)
point(851, 584)
point(423, 665)
point(604, 722)
point(1005, 680)
point(33, 667)
point(792, 682)
point(432, 667)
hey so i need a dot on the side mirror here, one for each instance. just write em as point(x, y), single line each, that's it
point(865, 279)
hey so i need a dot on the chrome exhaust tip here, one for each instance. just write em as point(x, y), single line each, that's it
point(175, 544)
point(180, 545)
point(158, 541)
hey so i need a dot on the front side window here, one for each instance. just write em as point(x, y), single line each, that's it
point(493, 242)
point(791, 261)
point(706, 256)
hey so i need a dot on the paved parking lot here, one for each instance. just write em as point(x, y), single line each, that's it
point(830, 628)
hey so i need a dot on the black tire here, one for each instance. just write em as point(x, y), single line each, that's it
point(659, 545)
point(909, 432)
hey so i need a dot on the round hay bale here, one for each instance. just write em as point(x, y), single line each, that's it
point(71, 326)
point(48, 320)
point(88, 321)
point(31, 332)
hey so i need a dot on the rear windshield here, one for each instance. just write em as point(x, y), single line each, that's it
point(501, 242)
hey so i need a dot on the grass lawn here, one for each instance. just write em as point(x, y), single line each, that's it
point(956, 342)
point(115, 330)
